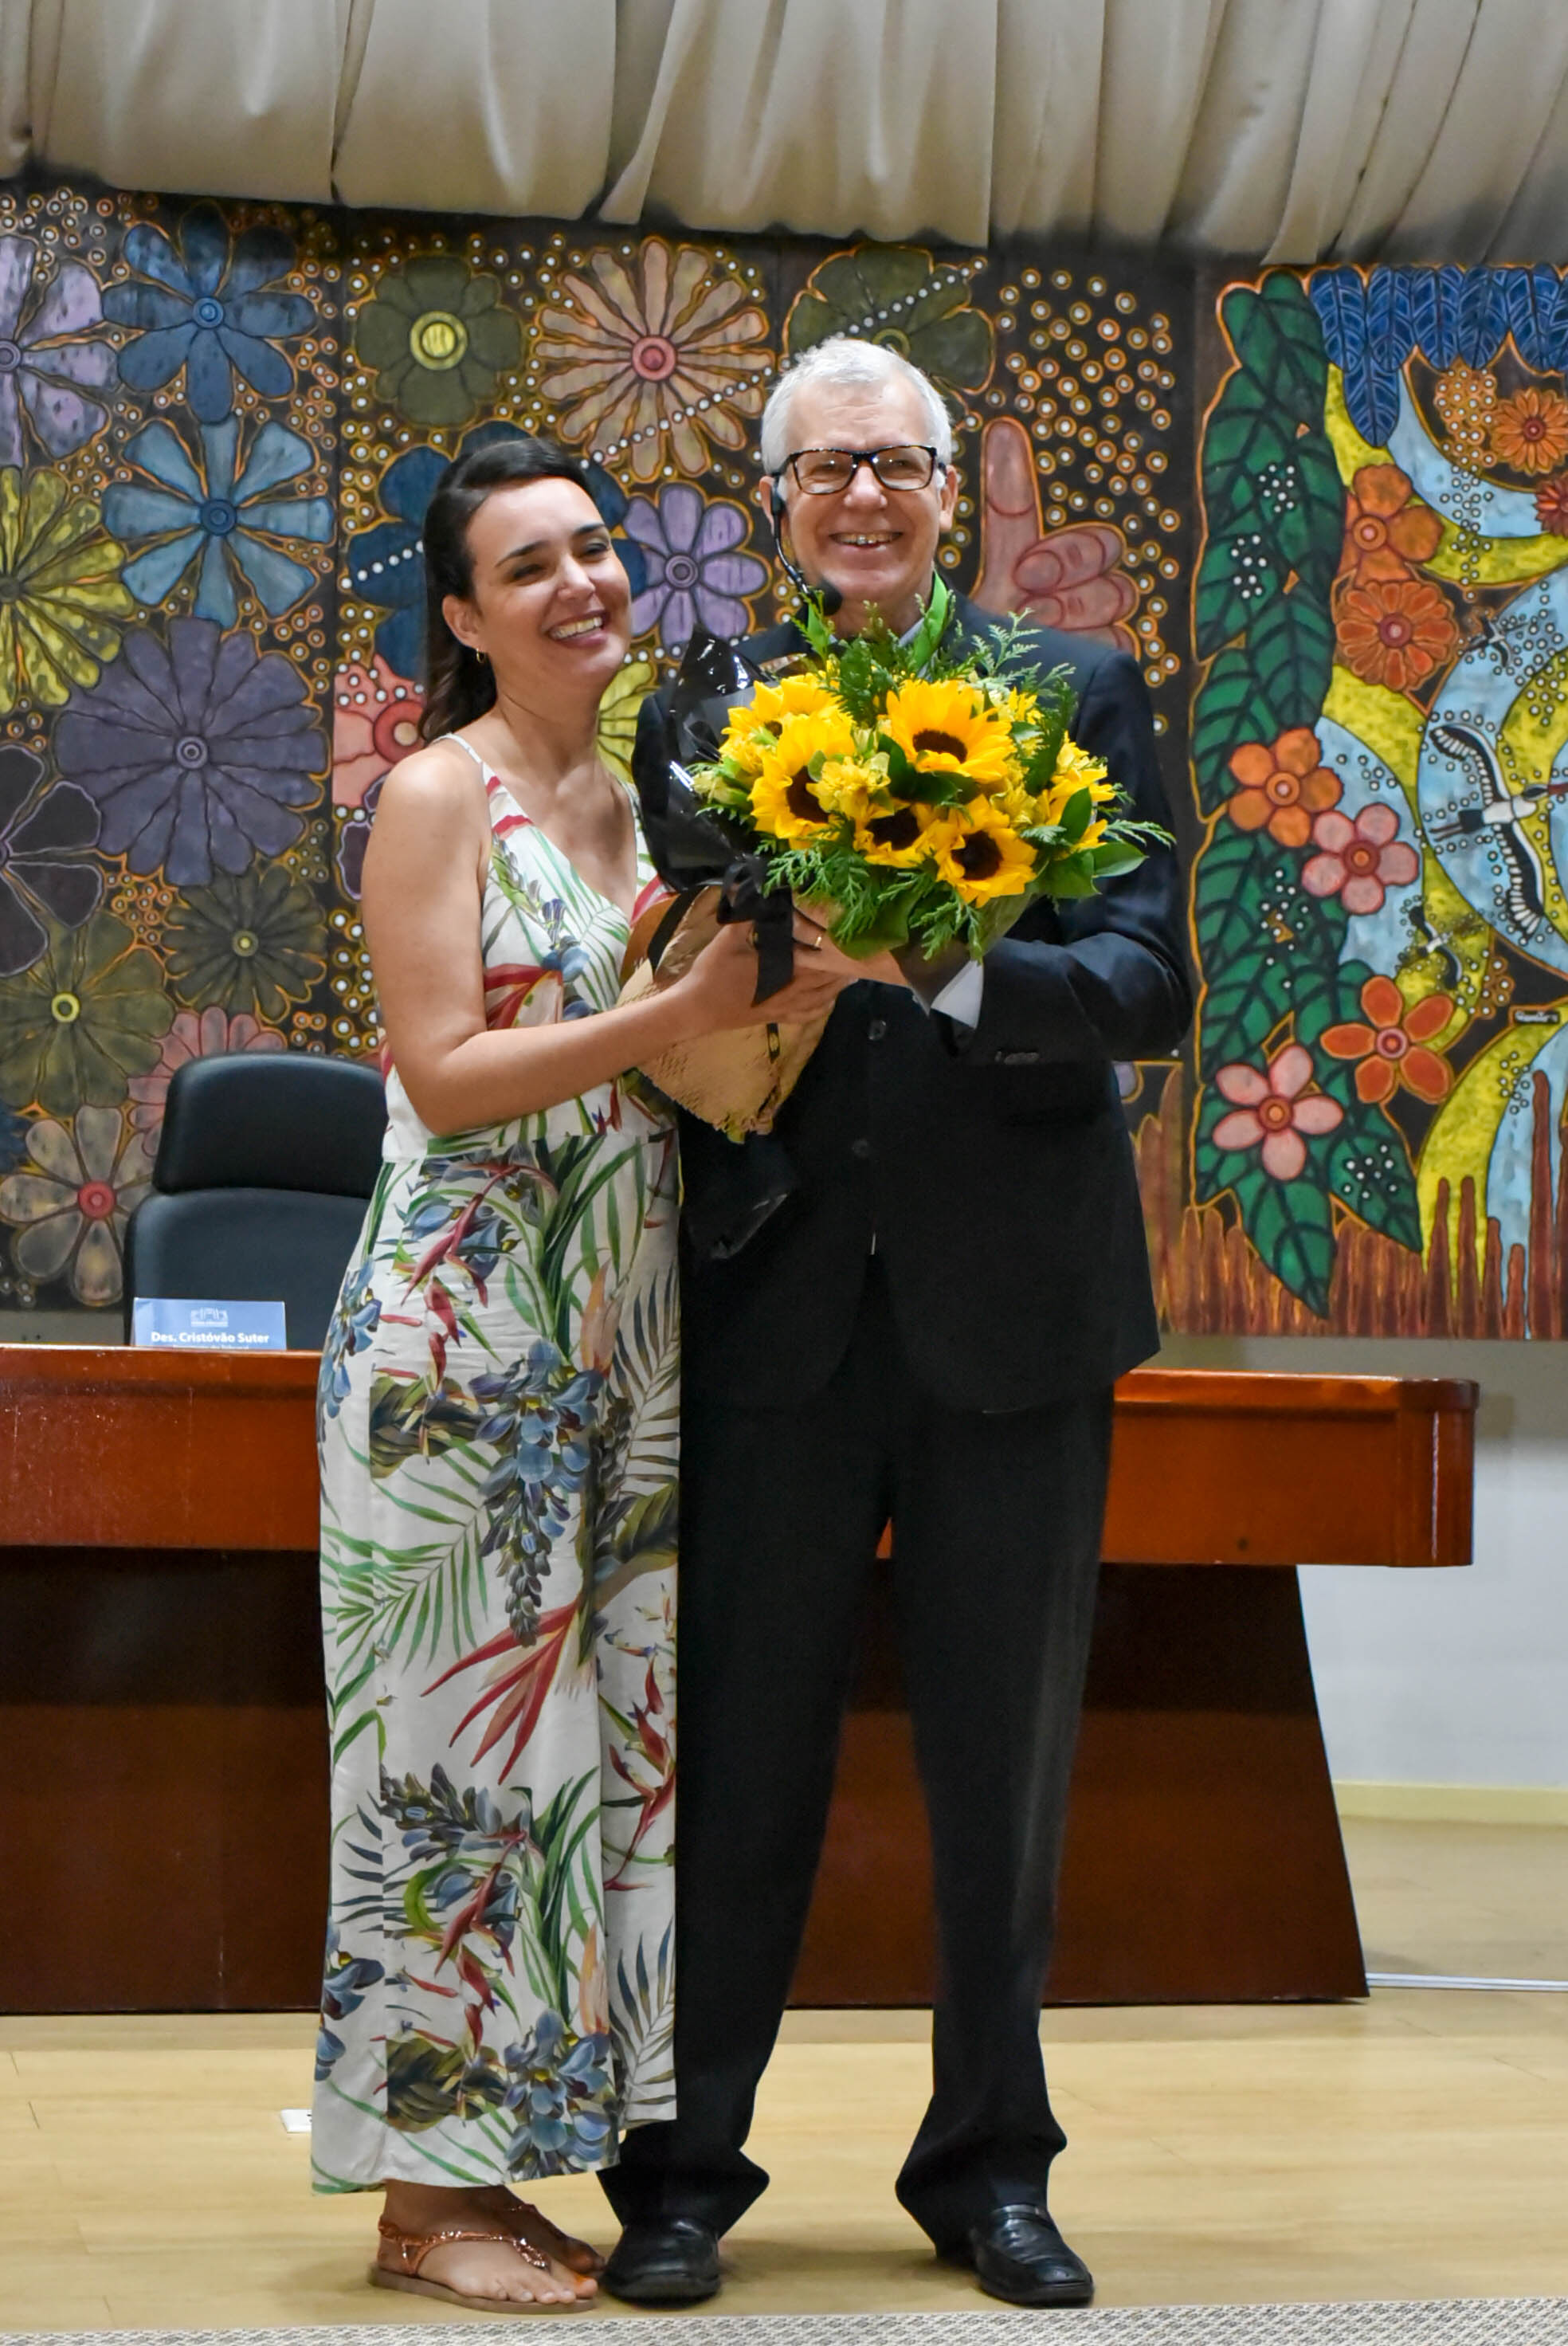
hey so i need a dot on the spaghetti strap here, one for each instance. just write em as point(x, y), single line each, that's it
point(471, 749)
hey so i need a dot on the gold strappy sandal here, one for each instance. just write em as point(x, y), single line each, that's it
point(512, 2216)
point(401, 2254)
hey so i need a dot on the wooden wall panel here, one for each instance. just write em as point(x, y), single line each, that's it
point(162, 1724)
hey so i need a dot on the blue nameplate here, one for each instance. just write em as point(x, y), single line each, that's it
point(180, 1325)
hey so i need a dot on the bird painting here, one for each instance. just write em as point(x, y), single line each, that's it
point(1498, 819)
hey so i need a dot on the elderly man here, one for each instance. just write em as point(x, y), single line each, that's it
point(927, 1331)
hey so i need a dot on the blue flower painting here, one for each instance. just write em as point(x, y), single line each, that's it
point(209, 507)
point(210, 304)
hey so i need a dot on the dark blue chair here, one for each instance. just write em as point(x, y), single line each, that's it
point(264, 1166)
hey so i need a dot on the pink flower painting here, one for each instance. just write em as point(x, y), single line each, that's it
point(1274, 1111)
point(1357, 860)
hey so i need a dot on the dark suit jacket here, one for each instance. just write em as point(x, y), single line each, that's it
point(992, 1165)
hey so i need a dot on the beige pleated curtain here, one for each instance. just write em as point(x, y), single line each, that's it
point(1283, 128)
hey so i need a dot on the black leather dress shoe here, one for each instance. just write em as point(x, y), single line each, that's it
point(1018, 2253)
point(663, 2260)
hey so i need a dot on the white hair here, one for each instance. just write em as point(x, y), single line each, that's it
point(843, 363)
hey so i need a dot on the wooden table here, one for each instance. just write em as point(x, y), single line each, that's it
point(162, 1737)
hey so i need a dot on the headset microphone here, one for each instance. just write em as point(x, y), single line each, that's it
point(828, 596)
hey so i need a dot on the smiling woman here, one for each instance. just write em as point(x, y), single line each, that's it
point(503, 1364)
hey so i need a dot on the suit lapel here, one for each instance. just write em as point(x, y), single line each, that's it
point(785, 642)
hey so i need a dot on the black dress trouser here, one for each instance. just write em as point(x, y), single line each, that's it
point(996, 1532)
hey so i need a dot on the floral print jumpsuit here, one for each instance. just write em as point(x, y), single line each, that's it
point(497, 1421)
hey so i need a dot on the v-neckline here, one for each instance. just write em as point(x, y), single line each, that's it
point(488, 774)
point(580, 876)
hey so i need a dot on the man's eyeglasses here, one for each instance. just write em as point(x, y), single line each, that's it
point(823, 472)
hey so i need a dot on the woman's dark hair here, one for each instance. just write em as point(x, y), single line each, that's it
point(458, 685)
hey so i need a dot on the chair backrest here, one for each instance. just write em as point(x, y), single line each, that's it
point(272, 1120)
point(264, 1165)
point(254, 1246)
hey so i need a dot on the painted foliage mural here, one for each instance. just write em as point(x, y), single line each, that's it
point(1379, 753)
point(219, 428)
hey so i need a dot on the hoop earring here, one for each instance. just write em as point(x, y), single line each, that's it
point(479, 656)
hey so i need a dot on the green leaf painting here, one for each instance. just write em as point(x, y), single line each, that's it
point(1277, 918)
point(1272, 946)
point(1290, 1224)
point(1378, 740)
point(1279, 342)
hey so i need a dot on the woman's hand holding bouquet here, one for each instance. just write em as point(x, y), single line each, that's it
point(717, 988)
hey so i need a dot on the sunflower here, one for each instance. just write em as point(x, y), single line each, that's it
point(793, 696)
point(946, 728)
point(895, 834)
point(784, 805)
point(753, 730)
point(979, 853)
point(786, 800)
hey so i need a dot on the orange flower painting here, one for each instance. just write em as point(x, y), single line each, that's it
point(1530, 432)
point(1282, 786)
point(1552, 506)
point(1395, 631)
point(1393, 1045)
point(650, 358)
point(1385, 530)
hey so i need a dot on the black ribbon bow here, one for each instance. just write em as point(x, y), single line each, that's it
point(743, 895)
point(693, 846)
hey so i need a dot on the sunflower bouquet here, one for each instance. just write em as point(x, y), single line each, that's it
point(907, 798)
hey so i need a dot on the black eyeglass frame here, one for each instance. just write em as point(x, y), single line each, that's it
point(859, 456)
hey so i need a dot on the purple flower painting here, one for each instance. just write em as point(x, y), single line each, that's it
point(696, 577)
point(47, 831)
point(48, 363)
point(354, 838)
point(199, 752)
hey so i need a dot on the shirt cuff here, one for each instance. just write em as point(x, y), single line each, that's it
point(961, 997)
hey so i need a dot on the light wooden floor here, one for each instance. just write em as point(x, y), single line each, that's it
point(1414, 2146)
